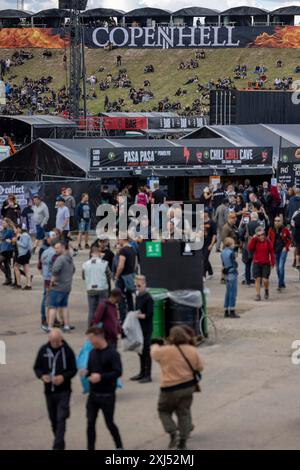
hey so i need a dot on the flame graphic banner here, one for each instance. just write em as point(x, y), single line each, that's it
point(164, 37)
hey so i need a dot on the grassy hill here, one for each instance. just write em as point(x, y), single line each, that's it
point(167, 78)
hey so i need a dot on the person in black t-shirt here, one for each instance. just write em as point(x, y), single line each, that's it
point(210, 238)
point(125, 275)
point(106, 197)
point(144, 305)
point(158, 198)
point(103, 370)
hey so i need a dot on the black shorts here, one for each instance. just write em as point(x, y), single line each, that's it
point(261, 271)
point(22, 260)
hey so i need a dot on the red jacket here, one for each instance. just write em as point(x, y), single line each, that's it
point(286, 237)
point(107, 314)
point(263, 252)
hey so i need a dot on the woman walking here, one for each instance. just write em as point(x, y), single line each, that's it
point(180, 365)
point(24, 246)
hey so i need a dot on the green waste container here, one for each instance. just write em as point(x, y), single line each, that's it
point(159, 296)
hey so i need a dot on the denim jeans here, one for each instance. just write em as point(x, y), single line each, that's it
point(93, 302)
point(231, 291)
point(280, 267)
point(43, 306)
point(126, 303)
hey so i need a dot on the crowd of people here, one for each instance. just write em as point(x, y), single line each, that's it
point(262, 223)
point(259, 224)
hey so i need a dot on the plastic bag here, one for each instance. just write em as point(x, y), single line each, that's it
point(134, 339)
point(82, 363)
point(190, 298)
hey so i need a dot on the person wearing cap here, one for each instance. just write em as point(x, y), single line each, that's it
point(40, 219)
point(107, 316)
point(47, 257)
point(63, 219)
point(102, 243)
point(97, 276)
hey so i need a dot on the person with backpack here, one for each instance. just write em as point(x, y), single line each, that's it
point(281, 238)
point(263, 260)
point(141, 198)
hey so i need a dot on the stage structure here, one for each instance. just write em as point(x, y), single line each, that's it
point(77, 67)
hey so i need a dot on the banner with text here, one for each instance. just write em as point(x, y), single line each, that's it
point(178, 156)
point(159, 37)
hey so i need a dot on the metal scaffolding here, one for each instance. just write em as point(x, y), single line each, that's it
point(75, 59)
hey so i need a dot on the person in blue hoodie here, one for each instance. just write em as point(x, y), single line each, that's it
point(6, 249)
point(230, 270)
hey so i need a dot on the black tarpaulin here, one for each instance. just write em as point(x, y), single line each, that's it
point(194, 12)
point(292, 10)
point(103, 13)
point(244, 11)
point(27, 128)
point(12, 14)
point(51, 13)
point(147, 12)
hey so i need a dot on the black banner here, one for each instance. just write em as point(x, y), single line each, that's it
point(173, 37)
point(48, 191)
point(288, 174)
point(180, 122)
point(290, 154)
point(178, 156)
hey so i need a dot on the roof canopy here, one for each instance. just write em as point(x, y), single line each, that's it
point(244, 11)
point(14, 14)
point(51, 13)
point(195, 11)
point(41, 121)
point(147, 12)
point(290, 10)
point(103, 13)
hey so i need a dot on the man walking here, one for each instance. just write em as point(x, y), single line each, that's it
point(125, 275)
point(40, 219)
point(210, 237)
point(221, 215)
point(47, 256)
point(144, 306)
point(84, 214)
point(107, 314)
point(71, 205)
point(60, 286)
point(103, 370)
point(263, 260)
point(63, 219)
point(97, 276)
point(281, 239)
point(55, 365)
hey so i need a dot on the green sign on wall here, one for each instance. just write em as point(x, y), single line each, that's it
point(153, 249)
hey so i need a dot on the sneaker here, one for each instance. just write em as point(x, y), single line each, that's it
point(173, 441)
point(226, 313)
point(258, 298)
point(145, 380)
point(16, 286)
point(232, 314)
point(66, 329)
point(87, 246)
point(27, 288)
point(182, 445)
point(45, 328)
point(266, 295)
point(209, 277)
point(7, 283)
point(137, 377)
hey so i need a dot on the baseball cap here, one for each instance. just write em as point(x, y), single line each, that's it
point(51, 235)
point(60, 199)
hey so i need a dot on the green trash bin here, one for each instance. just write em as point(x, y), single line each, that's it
point(159, 296)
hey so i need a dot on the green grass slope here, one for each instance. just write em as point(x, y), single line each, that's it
point(167, 78)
